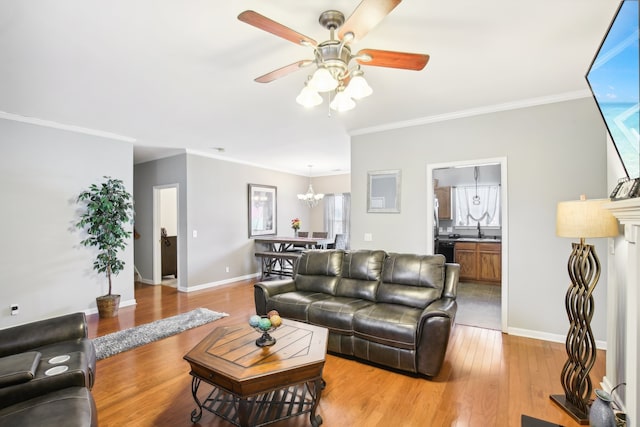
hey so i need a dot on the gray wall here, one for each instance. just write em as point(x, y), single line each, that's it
point(44, 268)
point(554, 152)
point(172, 170)
point(213, 200)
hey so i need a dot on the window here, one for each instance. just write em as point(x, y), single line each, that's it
point(337, 211)
point(475, 205)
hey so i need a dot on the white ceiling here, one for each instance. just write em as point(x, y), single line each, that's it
point(173, 75)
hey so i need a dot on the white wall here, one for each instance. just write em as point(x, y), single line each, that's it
point(44, 268)
point(169, 210)
point(554, 152)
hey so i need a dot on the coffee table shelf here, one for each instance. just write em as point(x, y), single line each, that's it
point(263, 409)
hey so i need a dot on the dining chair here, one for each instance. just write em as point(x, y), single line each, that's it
point(300, 246)
point(319, 235)
point(339, 242)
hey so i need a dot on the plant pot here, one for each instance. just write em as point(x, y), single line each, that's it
point(108, 305)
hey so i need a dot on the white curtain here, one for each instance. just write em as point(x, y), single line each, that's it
point(337, 218)
point(330, 214)
point(346, 218)
point(479, 204)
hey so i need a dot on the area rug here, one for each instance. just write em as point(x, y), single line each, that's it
point(117, 342)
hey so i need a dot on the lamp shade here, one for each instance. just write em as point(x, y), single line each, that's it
point(585, 219)
point(308, 97)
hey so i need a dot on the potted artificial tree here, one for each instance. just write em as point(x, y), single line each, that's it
point(108, 208)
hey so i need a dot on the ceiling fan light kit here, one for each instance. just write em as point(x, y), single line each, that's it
point(338, 71)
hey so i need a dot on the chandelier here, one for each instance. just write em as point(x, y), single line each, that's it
point(310, 198)
point(332, 75)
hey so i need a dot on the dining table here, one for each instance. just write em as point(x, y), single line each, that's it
point(286, 243)
point(279, 254)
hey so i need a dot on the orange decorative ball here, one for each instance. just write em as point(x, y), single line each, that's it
point(276, 320)
point(273, 313)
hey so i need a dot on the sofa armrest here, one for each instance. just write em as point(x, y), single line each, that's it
point(434, 329)
point(262, 291)
point(21, 338)
point(451, 279)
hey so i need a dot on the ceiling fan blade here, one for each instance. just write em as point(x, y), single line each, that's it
point(391, 59)
point(366, 16)
point(281, 72)
point(260, 21)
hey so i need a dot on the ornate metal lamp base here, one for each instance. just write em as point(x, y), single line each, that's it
point(578, 416)
point(584, 271)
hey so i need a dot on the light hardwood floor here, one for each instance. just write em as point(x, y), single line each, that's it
point(489, 378)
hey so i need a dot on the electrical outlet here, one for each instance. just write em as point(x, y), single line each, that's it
point(368, 237)
point(226, 269)
point(195, 234)
point(15, 309)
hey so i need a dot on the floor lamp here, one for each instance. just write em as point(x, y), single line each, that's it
point(581, 219)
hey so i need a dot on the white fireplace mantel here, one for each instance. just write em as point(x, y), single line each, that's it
point(628, 213)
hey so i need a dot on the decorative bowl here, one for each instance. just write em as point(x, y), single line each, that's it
point(263, 326)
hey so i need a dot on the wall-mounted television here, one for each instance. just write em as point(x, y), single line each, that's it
point(614, 79)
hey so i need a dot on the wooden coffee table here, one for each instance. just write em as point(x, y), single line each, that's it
point(256, 386)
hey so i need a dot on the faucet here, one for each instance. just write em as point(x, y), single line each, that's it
point(480, 235)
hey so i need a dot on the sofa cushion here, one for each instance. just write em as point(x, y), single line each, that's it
point(18, 368)
point(294, 305)
point(411, 280)
point(361, 271)
point(69, 407)
point(336, 313)
point(389, 324)
point(319, 271)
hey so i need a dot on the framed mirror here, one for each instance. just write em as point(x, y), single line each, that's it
point(383, 191)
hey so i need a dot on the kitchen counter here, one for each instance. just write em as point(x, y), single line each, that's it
point(489, 239)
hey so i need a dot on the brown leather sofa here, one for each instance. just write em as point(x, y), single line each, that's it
point(395, 310)
point(47, 367)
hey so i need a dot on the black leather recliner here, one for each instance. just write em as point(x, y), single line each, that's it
point(45, 366)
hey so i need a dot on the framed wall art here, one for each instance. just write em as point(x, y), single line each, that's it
point(262, 210)
point(383, 191)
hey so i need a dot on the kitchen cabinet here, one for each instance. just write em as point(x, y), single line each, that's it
point(466, 256)
point(443, 194)
point(479, 261)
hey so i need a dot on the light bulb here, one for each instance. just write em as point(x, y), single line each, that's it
point(358, 87)
point(308, 97)
point(342, 102)
point(323, 80)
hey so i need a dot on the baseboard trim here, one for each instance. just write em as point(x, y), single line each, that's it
point(545, 336)
point(126, 303)
point(218, 283)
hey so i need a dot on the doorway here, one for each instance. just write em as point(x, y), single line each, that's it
point(165, 235)
point(449, 231)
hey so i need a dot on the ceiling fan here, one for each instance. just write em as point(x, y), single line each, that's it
point(337, 68)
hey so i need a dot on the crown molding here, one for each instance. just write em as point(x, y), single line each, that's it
point(62, 126)
point(525, 103)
